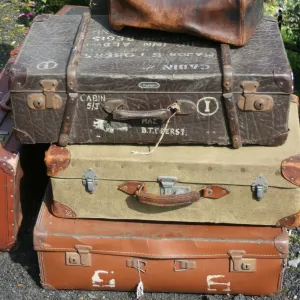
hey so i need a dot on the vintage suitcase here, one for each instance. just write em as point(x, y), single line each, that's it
point(10, 173)
point(123, 87)
point(251, 186)
point(108, 255)
point(231, 22)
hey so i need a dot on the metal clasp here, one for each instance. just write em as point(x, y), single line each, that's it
point(184, 265)
point(167, 186)
point(48, 100)
point(90, 180)
point(251, 101)
point(80, 258)
point(259, 187)
point(240, 264)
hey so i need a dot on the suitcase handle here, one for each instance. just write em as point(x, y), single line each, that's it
point(161, 114)
point(139, 189)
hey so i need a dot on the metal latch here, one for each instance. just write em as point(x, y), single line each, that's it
point(80, 258)
point(251, 101)
point(184, 265)
point(90, 180)
point(48, 100)
point(240, 264)
point(167, 186)
point(259, 187)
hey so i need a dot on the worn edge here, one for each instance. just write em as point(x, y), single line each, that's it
point(281, 242)
point(292, 221)
point(284, 80)
point(57, 159)
point(62, 211)
point(290, 169)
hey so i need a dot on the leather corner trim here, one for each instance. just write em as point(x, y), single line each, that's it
point(290, 169)
point(281, 242)
point(292, 221)
point(62, 211)
point(57, 159)
point(23, 136)
point(278, 140)
point(284, 80)
point(7, 167)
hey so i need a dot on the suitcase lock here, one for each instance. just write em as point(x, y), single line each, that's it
point(240, 264)
point(259, 187)
point(80, 258)
point(90, 180)
point(168, 188)
point(46, 100)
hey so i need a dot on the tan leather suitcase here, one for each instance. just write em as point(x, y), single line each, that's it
point(232, 21)
point(117, 256)
point(10, 172)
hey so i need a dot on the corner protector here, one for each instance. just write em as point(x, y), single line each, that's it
point(281, 242)
point(290, 168)
point(292, 221)
point(62, 211)
point(23, 136)
point(278, 140)
point(7, 167)
point(284, 79)
point(57, 159)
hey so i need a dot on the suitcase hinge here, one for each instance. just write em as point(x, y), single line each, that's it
point(184, 265)
point(250, 101)
point(80, 258)
point(168, 188)
point(90, 180)
point(259, 187)
point(136, 264)
point(240, 264)
point(48, 100)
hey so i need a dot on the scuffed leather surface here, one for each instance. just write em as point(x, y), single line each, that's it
point(49, 42)
point(159, 245)
point(231, 21)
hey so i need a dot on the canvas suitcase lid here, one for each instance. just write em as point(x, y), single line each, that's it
point(136, 60)
point(156, 240)
point(45, 53)
point(190, 164)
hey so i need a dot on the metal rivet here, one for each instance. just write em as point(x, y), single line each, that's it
point(243, 170)
point(179, 167)
point(138, 186)
point(5, 157)
point(11, 180)
point(210, 191)
point(12, 224)
point(277, 173)
point(292, 178)
point(11, 196)
point(150, 167)
point(122, 167)
point(13, 236)
point(12, 211)
point(209, 169)
point(125, 187)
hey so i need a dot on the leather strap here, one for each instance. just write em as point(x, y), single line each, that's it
point(230, 105)
point(139, 189)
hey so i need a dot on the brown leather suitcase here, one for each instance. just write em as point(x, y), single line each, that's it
point(117, 256)
point(10, 173)
point(231, 22)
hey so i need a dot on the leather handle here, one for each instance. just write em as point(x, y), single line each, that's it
point(161, 114)
point(139, 190)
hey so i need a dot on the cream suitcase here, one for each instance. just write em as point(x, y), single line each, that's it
point(251, 185)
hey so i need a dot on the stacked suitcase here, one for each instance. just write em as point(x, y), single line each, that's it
point(186, 215)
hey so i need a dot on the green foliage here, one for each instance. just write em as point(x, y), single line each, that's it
point(52, 6)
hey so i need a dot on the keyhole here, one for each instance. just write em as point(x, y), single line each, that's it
point(259, 104)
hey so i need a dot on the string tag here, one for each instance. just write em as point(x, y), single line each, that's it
point(160, 139)
point(140, 286)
